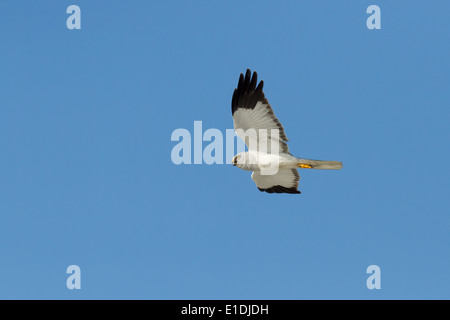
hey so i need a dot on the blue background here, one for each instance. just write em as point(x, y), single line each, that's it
point(86, 176)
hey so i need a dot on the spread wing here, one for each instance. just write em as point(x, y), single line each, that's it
point(251, 110)
point(285, 181)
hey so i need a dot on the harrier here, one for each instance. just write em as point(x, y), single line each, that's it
point(267, 146)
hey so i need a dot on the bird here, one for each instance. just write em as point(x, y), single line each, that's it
point(274, 168)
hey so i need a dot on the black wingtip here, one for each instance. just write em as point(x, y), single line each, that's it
point(248, 73)
point(247, 79)
point(260, 86)
point(280, 189)
point(247, 93)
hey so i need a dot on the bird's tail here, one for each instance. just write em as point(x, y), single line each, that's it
point(319, 164)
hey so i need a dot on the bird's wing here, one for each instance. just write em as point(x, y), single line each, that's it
point(251, 110)
point(284, 181)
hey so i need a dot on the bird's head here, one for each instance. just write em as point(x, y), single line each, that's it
point(238, 160)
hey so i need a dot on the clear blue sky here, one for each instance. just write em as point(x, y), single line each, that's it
point(86, 176)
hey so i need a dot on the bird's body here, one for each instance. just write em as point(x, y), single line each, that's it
point(258, 161)
point(274, 167)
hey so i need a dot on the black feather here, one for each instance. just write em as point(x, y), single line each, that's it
point(247, 94)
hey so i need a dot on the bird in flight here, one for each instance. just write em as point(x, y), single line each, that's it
point(274, 167)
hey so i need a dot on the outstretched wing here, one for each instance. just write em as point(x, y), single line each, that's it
point(251, 110)
point(285, 181)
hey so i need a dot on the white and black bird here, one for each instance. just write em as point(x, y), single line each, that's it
point(267, 145)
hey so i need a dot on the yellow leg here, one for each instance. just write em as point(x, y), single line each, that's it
point(305, 166)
